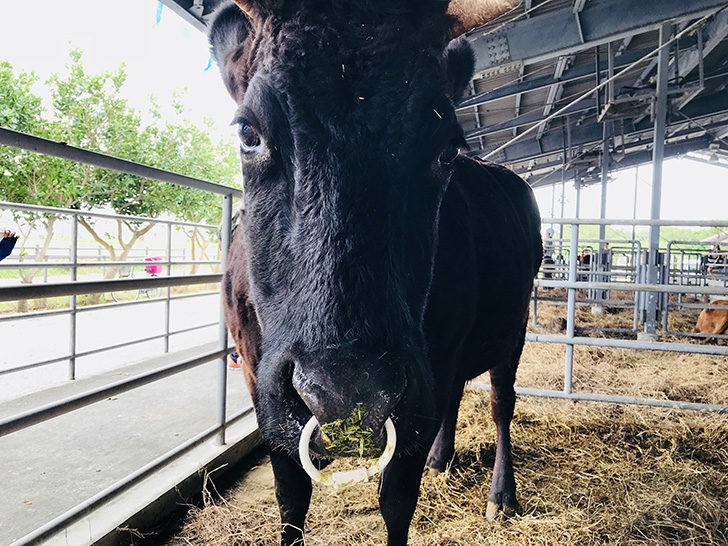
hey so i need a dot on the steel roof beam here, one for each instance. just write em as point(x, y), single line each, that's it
point(688, 60)
point(555, 91)
point(630, 160)
point(630, 147)
point(588, 134)
point(183, 12)
point(571, 75)
point(557, 33)
point(528, 119)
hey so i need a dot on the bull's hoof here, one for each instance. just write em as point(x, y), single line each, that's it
point(491, 511)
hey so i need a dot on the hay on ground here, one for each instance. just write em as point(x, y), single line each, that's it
point(587, 473)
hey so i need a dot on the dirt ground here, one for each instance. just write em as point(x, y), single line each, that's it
point(587, 473)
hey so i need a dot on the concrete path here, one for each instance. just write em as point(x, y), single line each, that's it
point(32, 340)
point(50, 467)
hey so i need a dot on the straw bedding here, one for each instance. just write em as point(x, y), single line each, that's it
point(587, 473)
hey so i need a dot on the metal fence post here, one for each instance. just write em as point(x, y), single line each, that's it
point(73, 314)
point(658, 153)
point(571, 307)
point(225, 235)
point(168, 301)
point(535, 306)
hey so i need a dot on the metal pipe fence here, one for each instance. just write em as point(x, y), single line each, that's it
point(596, 282)
point(75, 287)
point(121, 285)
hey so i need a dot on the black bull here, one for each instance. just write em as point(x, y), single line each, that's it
point(374, 266)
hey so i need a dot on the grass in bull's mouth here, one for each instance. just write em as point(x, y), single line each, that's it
point(347, 437)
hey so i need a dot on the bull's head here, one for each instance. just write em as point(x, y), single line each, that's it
point(348, 140)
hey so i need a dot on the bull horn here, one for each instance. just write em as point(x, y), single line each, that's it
point(470, 14)
point(249, 8)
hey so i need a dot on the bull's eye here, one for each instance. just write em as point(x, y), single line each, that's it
point(449, 154)
point(249, 137)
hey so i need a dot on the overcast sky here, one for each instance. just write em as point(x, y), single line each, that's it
point(172, 55)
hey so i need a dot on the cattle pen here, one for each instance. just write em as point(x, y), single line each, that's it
point(616, 84)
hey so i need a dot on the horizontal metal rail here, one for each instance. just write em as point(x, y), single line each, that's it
point(77, 288)
point(696, 335)
point(34, 314)
point(633, 287)
point(100, 306)
point(32, 143)
point(66, 405)
point(612, 399)
point(68, 265)
point(78, 511)
point(32, 365)
point(701, 306)
point(143, 340)
point(587, 301)
point(109, 215)
point(90, 352)
point(630, 222)
point(630, 344)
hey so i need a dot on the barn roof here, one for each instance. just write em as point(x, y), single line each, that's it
point(538, 58)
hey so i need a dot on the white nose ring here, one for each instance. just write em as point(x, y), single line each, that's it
point(341, 480)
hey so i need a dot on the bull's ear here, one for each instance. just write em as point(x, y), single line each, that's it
point(228, 31)
point(459, 65)
point(469, 14)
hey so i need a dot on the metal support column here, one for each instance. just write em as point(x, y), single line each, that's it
point(168, 300)
point(563, 204)
point(606, 135)
point(565, 160)
point(634, 213)
point(571, 307)
point(225, 235)
point(657, 159)
point(607, 132)
point(601, 254)
point(73, 315)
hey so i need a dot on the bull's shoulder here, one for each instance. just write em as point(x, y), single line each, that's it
point(503, 202)
point(497, 177)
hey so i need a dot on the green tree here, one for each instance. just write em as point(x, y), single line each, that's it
point(26, 177)
point(89, 111)
point(182, 146)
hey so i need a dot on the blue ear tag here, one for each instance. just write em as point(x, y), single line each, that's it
point(160, 7)
point(209, 64)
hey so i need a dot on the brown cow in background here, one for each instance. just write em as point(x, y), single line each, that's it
point(713, 321)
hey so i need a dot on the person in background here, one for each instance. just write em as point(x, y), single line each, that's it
point(584, 262)
point(234, 360)
point(7, 243)
point(716, 260)
point(548, 253)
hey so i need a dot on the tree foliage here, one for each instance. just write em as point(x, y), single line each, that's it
point(89, 111)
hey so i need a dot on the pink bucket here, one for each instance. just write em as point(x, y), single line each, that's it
point(153, 269)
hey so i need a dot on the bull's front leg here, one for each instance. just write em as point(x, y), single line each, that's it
point(293, 491)
point(398, 492)
point(502, 400)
